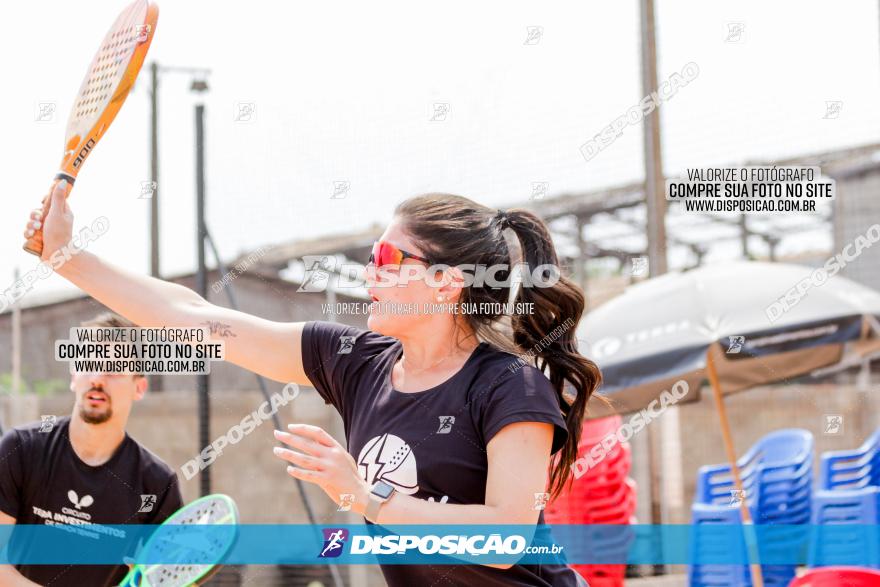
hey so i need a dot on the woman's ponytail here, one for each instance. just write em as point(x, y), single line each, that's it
point(549, 333)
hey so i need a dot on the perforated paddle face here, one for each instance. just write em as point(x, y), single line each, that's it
point(180, 546)
point(107, 79)
point(101, 94)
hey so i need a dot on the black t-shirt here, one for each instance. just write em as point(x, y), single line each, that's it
point(43, 481)
point(431, 444)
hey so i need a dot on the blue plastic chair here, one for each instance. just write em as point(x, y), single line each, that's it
point(854, 539)
point(850, 495)
point(777, 476)
point(704, 547)
point(852, 469)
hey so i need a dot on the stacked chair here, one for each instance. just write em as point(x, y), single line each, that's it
point(849, 493)
point(777, 476)
point(603, 495)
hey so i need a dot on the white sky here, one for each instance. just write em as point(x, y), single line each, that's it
point(344, 91)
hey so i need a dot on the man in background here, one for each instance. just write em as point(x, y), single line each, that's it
point(84, 468)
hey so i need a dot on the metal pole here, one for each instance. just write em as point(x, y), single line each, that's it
point(16, 355)
point(154, 169)
point(16, 342)
point(655, 185)
point(155, 380)
point(744, 236)
point(583, 258)
point(655, 203)
point(202, 289)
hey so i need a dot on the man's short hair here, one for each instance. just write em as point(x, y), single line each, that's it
point(110, 320)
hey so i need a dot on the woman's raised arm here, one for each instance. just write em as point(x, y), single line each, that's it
point(272, 349)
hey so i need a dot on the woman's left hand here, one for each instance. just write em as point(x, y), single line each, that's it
point(321, 460)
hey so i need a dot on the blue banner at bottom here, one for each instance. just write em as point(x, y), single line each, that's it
point(297, 544)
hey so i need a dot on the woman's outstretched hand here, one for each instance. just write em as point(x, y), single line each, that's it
point(321, 460)
point(58, 224)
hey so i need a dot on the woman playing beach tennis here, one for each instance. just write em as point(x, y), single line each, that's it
point(450, 417)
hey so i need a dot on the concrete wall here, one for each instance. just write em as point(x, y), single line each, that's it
point(857, 207)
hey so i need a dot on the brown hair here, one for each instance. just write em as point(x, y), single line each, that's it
point(454, 230)
point(110, 320)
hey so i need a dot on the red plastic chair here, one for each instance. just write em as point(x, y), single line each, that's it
point(612, 466)
point(603, 494)
point(593, 431)
point(588, 490)
point(609, 501)
point(838, 577)
point(602, 575)
point(619, 513)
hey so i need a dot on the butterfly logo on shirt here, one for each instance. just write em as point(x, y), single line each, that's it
point(78, 502)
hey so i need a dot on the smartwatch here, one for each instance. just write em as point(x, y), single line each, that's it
point(380, 493)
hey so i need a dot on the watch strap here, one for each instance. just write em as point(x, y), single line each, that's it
point(373, 506)
point(377, 500)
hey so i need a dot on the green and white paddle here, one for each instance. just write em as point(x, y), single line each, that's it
point(212, 510)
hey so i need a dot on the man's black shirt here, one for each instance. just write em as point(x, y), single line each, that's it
point(43, 481)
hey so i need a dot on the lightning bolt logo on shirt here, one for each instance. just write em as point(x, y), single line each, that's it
point(390, 459)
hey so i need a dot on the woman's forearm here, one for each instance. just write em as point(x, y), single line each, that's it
point(266, 347)
point(146, 301)
point(271, 349)
point(10, 577)
point(404, 509)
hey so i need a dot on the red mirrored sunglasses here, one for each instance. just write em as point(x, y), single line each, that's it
point(385, 253)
